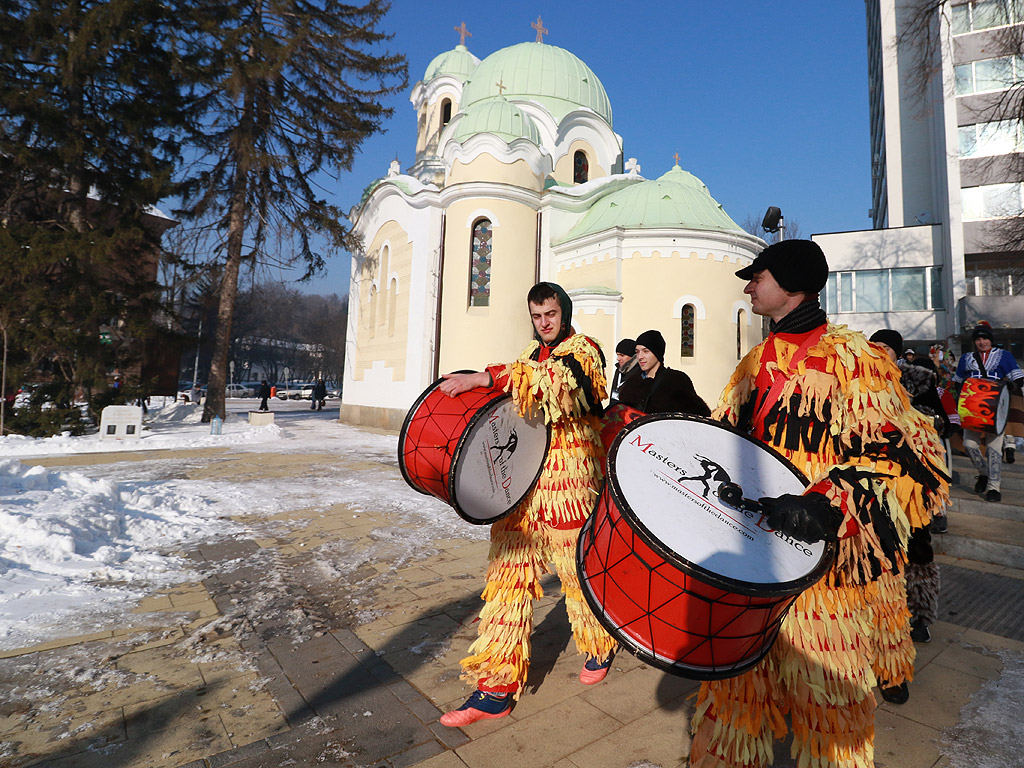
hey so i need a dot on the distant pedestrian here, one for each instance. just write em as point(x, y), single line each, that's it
point(196, 394)
point(264, 395)
point(658, 388)
point(625, 367)
point(319, 395)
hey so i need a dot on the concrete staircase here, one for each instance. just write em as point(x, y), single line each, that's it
point(980, 530)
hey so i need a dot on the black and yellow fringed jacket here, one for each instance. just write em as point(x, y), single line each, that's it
point(565, 385)
point(843, 418)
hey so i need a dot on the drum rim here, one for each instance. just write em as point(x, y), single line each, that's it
point(749, 588)
point(462, 444)
point(689, 671)
point(403, 433)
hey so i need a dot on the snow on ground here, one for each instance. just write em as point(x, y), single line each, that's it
point(78, 549)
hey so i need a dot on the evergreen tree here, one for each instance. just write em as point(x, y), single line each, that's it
point(293, 88)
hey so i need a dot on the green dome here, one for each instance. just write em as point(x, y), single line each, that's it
point(677, 200)
point(547, 74)
point(495, 116)
point(458, 62)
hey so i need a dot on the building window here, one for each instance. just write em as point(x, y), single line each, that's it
point(446, 112)
point(741, 320)
point(906, 289)
point(989, 75)
point(686, 330)
point(580, 167)
point(480, 266)
point(1004, 281)
point(373, 311)
point(392, 305)
point(992, 201)
point(1000, 137)
point(986, 14)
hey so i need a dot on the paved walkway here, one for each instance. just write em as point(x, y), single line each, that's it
point(275, 661)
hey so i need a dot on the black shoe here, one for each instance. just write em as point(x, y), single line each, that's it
point(897, 694)
point(982, 484)
point(1008, 456)
point(993, 496)
point(939, 524)
point(919, 632)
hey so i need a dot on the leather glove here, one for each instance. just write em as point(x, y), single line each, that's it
point(809, 518)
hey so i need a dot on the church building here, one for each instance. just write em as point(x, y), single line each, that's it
point(519, 177)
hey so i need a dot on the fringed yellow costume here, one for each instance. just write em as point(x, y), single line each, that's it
point(564, 384)
point(834, 406)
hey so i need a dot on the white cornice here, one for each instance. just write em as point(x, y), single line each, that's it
point(430, 92)
point(490, 190)
point(537, 158)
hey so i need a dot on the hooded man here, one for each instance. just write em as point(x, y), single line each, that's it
point(560, 375)
point(658, 388)
point(995, 364)
point(625, 367)
point(824, 398)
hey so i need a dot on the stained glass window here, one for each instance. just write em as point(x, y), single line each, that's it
point(480, 268)
point(686, 329)
point(580, 168)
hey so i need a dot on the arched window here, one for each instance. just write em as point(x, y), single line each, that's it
point(392, 304)
point(446, 112)
point(686, 331)
point(480, 265)
point(384, 253)
point(580, 167)
point(741, 320)
point(373, 311)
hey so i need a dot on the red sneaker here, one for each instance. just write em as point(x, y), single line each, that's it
point(479, 706)
point(595, 671)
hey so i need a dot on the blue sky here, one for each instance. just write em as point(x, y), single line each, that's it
point(766, 103)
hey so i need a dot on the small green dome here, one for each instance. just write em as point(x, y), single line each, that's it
point(547, 74)
point(458, 62)
point(495, 116)
point(677, 200)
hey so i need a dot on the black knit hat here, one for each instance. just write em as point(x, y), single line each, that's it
point(654, 341)
point(626, 347)
point(892, 339)
point(982, 331)
point(797, 266)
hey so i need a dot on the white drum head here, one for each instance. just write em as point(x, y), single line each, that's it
point(497, 462)
point(1002, 410)
point(666, 471)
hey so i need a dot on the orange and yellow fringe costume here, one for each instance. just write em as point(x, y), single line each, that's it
point(545, 526)
point(844, 419)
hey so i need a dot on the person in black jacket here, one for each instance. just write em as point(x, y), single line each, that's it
point(625, 368)
point(318, 395)
point(658, 388)
point(264, 395)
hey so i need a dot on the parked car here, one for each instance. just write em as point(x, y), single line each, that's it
point(289, 391)
point(238, 390)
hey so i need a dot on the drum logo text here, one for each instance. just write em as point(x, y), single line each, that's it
point(501, 456)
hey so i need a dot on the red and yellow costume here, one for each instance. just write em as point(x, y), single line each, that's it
point(834, 406)
point(564, 384)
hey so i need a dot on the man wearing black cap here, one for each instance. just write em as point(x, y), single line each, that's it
point(995, 364)
point(625, 368)
point(831, 403)
point(658, 388)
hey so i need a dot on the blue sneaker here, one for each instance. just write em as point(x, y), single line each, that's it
point(480, 706)
point(595, 671)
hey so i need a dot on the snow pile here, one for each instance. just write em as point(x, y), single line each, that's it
point(70, 544)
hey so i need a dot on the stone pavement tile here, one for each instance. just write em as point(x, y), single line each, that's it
point(458, 566)
point(416, 755)
point(972, 661)
point(975, 637)
point(451, 738)
point(423, 632)
point(153, 603)
point(661, 737)
point(61, 642)
point(444, 760)
point(75, 733)
point(540, 740)
point(164, 665)
point(904, 743)
point(184, 708)
point(936, 696)
point(639, 692)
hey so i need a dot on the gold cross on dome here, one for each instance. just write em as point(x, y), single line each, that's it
point(676, 156)
point(539, 26)
point(463, 33)
point(501, 87)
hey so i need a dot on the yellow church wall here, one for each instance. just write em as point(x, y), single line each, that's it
point(485, 167)
point(472, 337)
point(564, 167)
point(600, 326)
point(603, 273)
point(428, 123)
point(383, 329)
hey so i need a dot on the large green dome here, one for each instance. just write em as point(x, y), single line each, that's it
point(458, 63)
point(495, 116)
point(547, 74)
point(676, 200)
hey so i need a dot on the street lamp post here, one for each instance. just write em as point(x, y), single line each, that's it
point(774, 222)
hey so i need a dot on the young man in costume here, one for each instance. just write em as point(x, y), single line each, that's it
point(559, 375)
point(658, 388)
point(832, 404)
point(995, 364)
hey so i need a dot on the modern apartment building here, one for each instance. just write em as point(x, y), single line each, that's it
point(947, 159)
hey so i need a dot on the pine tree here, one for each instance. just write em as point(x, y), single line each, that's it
point(293, 88)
